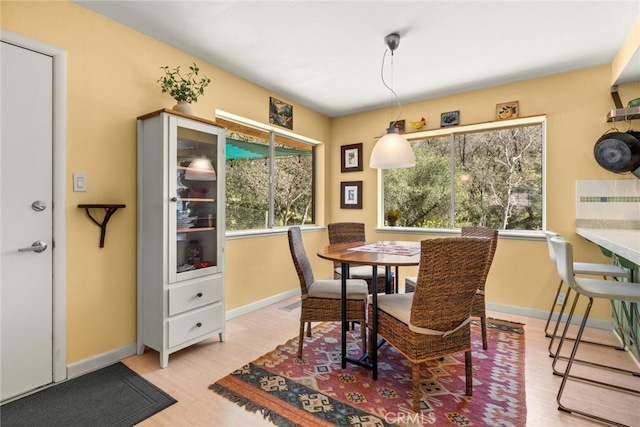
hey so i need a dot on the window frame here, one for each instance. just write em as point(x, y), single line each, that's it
point(273, 132)
point(452, 132)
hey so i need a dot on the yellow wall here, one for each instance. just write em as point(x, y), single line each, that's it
point(575, 105)
point(112, 73)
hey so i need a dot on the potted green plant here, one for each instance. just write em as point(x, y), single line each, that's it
point(185, 89)
point(392, 216)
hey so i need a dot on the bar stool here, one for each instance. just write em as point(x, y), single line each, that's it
point(591, 288)
point(584, 268)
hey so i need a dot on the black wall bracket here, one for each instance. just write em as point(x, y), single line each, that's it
point(616, 97)
point(109, 210)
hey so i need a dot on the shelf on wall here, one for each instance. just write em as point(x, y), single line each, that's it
point(110, 209)
point(623, 114)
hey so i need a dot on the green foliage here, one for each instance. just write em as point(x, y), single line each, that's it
point(498, 181)
point(392, 216)
point(183, 88)
point(423, 192)
point(247, 191)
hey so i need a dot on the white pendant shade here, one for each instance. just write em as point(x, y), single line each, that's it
point(200, 169)
point(392, 151)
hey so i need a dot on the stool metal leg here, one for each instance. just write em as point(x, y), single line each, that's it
point(563, 337)
point(567, 374)
point(554, 335)
point(553, 305)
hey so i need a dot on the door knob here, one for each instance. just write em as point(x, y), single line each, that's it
point(37, 247)
point(38, 206)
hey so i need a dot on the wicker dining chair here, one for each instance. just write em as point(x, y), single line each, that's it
point(353, 232)
point(434, 321)
point(479, 305)
point(322, 299)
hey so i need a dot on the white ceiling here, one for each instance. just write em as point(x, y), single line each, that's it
point(327, 55)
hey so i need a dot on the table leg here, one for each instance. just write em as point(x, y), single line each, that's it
point(374, 329)
point(397, 280)
point(387, 280)
point(343, 277)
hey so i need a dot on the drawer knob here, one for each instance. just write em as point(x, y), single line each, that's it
point(198, 324)
point(199, 294)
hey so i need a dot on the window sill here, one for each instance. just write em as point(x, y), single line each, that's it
point(266, 232)
point(452, 232)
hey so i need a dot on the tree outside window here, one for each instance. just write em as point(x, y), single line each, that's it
point(268, 186)
point(490, 178)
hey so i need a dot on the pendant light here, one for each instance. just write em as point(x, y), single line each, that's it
point(392, 151)
point(200, 169)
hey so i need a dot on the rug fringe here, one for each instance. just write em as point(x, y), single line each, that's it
point(252, 406)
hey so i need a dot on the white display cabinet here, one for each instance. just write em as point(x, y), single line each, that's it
point(181, 172)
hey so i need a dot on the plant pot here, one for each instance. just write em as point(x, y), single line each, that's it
point(183, 107)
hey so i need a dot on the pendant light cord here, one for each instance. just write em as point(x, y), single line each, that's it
point(389, 87)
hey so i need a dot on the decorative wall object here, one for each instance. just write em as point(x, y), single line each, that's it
point(507, 110)
point(351, 195)
point(398, 124)
point(450, 118)
point(351, 158)
point(419, 124)
point(280, 113)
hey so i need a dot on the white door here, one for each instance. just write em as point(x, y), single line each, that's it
point(26, 218)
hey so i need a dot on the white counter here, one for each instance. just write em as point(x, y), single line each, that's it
point(625, 243)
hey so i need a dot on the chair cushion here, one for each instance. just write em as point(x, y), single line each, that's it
point(331, 289)
point(362, 271)
point(399, 306)
point(396, 305)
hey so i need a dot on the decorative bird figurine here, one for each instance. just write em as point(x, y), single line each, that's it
point(418, 125)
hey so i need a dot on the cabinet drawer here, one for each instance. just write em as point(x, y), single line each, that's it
point(194, 295)
point(193, 325)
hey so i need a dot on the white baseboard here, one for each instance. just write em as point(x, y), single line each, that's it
point(542, 314)
point(246, 309)
point(100, 360)
point(113, 356)
point(110, 357)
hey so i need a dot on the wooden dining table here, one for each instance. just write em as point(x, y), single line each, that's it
point(385, 254)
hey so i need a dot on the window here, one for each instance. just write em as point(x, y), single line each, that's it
point(269, 176)
point(486, 175)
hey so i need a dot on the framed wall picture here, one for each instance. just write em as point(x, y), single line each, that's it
point(450, 118)
point(280, 113)
point(351, 195)
point(351, 158)
point(507, 110)
point(398, 124)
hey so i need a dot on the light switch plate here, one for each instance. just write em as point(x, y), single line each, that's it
point(79, 182)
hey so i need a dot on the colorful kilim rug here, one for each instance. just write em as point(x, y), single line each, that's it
point(316, 391)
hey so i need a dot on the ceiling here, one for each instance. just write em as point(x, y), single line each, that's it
point(327, 55)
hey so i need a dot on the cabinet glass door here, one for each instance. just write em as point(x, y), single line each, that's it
point(194, 217)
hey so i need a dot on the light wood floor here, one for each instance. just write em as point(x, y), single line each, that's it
point(192, 370)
